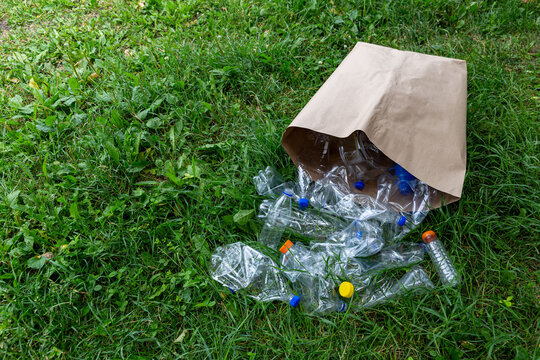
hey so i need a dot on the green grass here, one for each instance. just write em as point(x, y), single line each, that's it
point(130, 178)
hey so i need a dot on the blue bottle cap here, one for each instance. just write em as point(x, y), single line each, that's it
point(402, 220)
point(403, 174)
point(303, 203)
point(295, 300)
point(359, 185)
point(405, 187)
point(406, 179)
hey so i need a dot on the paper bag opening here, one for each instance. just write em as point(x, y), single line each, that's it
point(320, 154)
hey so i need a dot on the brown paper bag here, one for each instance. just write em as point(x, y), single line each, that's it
point(411, 106)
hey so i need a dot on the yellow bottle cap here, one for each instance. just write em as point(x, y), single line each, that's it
point(346, 289)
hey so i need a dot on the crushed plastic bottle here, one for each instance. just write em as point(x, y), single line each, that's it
point(360, 238)
point(417, 204)
point(445, 268)
point(306, 271)
point(390, 257)
point(329, 189)
point(277, 220)
point(361, 272)
point(377, 161)
point(358, 207)
point(310, 223)
point(302, 188)
point(269, 182)
point(242, 268)
point(354, 163)
point(314, 224)
point(300, 260)
point(415, 280)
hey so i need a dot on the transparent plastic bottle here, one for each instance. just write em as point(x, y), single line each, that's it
point(269, 182)
point(243, 269)
point(327, 191)
point(390, 257)
point(353, 161)
point(361, 272)
point(360, 238)
point(415, 280)
point(394, 226)
point(277, 220)
point(358, 207)
point(306, 272)
point(303, 188)
point(308, 222)
point(300, 260)
point(446, 269)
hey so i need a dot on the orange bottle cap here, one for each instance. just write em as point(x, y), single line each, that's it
point(286, 246)
point(429, 236)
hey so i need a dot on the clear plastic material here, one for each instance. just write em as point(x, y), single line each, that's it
point(277, 220)
point(306, 271)
point(269, 182)
point(358, 207)
point(362, 160)
point(415, 280)
point(388, 192)
point(353, 231)
point(240, 267)
point(298, 260)
point(329, 189)
point(303, 188)
point(310, 223)
point(418, 202)
point(360, 239)
point(390, 257)
point(319, 295)
point(445, 268)
point(361, 272)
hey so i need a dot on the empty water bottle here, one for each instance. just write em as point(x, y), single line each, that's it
point(306, 272)
point(277, 220)
point(242, 268)
point(378, 162)
point(355, 165)
point(390, 257)
point(360, 238)
point(361, 272)
point(329, 189)
point(415, 280)
point(298, 260)
point(269, 182)
point(302, 188)
point(446, 269)
point(358, 207)
point(310, 223)
point(394, 226)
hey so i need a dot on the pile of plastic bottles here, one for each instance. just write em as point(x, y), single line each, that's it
point(354, 258)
